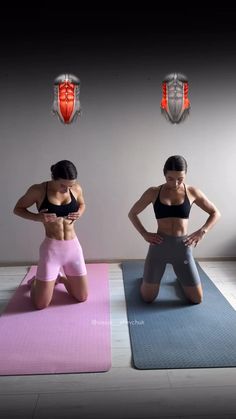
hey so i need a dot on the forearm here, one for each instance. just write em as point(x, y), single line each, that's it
point(28, 215)
point(211, 221)
point(81, 209)
point(137, 223)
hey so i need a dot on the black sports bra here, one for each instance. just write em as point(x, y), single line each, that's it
point(60, 210)
point(167, 211)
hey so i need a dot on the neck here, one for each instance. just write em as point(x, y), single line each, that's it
point(171, 188)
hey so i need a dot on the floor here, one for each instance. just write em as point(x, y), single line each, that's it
point(122, 392)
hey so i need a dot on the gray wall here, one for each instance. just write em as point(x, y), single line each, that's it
point(121, 141)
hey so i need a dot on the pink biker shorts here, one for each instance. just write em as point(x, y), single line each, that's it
point(56, 254)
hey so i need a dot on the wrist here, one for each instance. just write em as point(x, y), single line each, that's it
point(203, 231)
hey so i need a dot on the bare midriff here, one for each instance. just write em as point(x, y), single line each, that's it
point(61, 229)
point(172, 226)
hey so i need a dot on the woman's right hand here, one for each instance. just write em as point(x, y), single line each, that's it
point(47, 218)
point(153, 238)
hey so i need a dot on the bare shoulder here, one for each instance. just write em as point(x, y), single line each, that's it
point(77, 189)
point(198, 196)
point(202, 201)
point(193, 191)
point(155, 191)
point(31, 196)
point(36, 189)
point(151, 193)
point(146, 198)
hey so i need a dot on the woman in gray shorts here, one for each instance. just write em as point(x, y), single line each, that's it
point(172, 203)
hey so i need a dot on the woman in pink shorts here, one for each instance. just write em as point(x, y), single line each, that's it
point(60, 203)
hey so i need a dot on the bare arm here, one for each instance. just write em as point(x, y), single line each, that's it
point(139, 206)
point(214, 214)
point(27, 200)
point(80, 199)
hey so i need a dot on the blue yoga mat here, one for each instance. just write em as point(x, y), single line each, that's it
point(170, 332)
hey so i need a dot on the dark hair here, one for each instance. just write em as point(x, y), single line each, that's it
point(177, 163)
point(64, 169)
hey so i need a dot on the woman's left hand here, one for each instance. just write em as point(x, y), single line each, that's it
point(73, 216)
point(194, 238)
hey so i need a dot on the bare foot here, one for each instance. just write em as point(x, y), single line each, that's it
point(30, 281)
point(60, 279)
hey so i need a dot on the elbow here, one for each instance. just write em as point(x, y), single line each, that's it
point(218, 214)
point(16, 210)
point(130, 214)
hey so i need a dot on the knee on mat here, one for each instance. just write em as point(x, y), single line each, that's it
point(148, 299)
point(40, 305)
point(196, 300)
point(81, 298)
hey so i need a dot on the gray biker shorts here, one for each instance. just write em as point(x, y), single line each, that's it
point(172, 250)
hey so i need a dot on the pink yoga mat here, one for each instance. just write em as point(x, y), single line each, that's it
point(66, 337)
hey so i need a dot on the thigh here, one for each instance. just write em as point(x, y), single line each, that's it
point(74, 265)
point(194, 293)
point(154, 269)
point(49, 263)
point(78, 287)
point(155, 265)
point(41, 293)
point(185, 267)
point(188, 276)
point(149, 291)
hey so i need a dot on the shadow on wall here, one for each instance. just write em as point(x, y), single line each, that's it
point(230, 247)
point(226, 249)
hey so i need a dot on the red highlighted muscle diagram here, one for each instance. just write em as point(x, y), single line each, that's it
point(175, 104)
point(66, 103)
